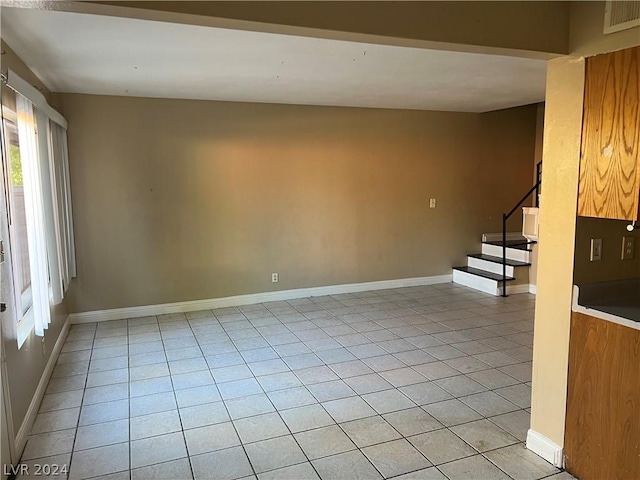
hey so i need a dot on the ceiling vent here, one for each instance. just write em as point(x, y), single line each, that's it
point(621, 15)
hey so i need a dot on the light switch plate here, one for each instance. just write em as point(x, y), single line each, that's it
point(596, 249)
point(628, 244)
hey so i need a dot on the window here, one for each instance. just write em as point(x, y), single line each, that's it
point(38, 198)
point(17, 216)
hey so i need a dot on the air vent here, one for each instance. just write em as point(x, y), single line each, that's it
point(621, 15)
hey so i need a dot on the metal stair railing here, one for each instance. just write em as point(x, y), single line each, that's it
point(505, 217)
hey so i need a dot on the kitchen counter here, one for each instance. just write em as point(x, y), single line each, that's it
point(617, 301)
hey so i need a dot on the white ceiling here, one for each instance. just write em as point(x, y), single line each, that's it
point(97, 54)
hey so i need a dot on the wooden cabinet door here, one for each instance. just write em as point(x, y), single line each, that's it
point(602, 430)
point(609, 165)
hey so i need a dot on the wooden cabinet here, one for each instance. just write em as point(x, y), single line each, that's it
point(602, 432)
point(609, 162)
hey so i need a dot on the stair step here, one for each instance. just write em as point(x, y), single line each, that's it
point(517, 244)
point(482, 273)
point(491, 258)
point(519, 253)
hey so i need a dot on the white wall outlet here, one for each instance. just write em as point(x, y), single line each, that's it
point(275, 278)
point(628, 244)
point(596, 249)
point(432, 203)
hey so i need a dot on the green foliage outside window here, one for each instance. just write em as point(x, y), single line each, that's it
point(16, 165)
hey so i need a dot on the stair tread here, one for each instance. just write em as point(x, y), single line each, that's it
point(482, 273)
point(517, 244)
point(494, 259)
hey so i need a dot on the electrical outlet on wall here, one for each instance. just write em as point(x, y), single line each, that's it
point(628, 244)
point(596, 249)
point(275, 278)
point(432, 203)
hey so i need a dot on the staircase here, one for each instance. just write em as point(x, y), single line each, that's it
point(484, 270)
point(503, 266)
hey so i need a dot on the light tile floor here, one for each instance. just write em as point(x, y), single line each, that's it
point(425, 382)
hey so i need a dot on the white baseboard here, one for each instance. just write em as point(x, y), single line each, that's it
point(23, 433)
point(533, 288)
point(545, 448)
point(179, 307)
point(515, 289)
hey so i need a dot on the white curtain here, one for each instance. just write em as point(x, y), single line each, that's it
point(34, 212)
point(60, 179)
point(49, 202)
point(42, 132)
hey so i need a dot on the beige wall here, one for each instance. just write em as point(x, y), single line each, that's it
point(561, 157)
point(561, 154)
point(611, 267)
point(186, 200)
point(586, 27)
point(26, 365)
point(533, 26)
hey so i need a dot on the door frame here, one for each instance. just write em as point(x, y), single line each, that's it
point(6, 414)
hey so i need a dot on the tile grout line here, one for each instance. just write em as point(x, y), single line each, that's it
point(75, 435)
point(226, 409)
point(129, 401)
point(184, 436)
point(357, 448)
point(285, 423)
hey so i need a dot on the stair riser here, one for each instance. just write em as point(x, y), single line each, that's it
point(489, 266)
point(478, 283)
point(497, 237)
point(492, 287)
point(512, 253)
